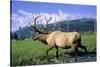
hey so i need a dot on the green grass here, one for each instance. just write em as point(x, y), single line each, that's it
point(90, 42)
point(29, 52)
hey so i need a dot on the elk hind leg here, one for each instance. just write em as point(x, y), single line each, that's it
point(75, 48)
point(83, 47)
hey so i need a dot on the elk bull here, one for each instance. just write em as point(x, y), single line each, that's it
point(58, 39)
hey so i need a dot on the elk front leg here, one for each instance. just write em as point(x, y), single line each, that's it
point(57, 53)
point(76, 53)
point(48, 51)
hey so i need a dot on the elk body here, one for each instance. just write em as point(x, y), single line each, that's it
point(58, 39)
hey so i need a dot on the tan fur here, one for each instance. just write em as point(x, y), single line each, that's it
point(58, 39)
point(62, 39)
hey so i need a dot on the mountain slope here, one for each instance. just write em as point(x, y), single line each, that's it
point(79, 25)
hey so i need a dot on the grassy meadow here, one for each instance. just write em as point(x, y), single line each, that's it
point(29, 52)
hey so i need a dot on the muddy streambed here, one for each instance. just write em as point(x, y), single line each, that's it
point(81, 58)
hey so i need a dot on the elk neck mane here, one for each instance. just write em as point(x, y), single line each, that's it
point(43, 37)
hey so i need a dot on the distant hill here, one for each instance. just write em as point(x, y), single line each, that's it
point(79, 25)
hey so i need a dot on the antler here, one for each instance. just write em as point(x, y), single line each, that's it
point(35, 21)
point(34, 26)
point(47, 21)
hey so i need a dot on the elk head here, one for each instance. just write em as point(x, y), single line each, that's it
point(42, 35)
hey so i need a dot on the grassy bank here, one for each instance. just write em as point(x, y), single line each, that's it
point(29, 52)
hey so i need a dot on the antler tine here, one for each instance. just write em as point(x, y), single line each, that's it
point(31, 25)
point(36, 19)
point(33, 17)
point(47, 21)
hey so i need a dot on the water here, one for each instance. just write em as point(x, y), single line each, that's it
point(83, 58)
